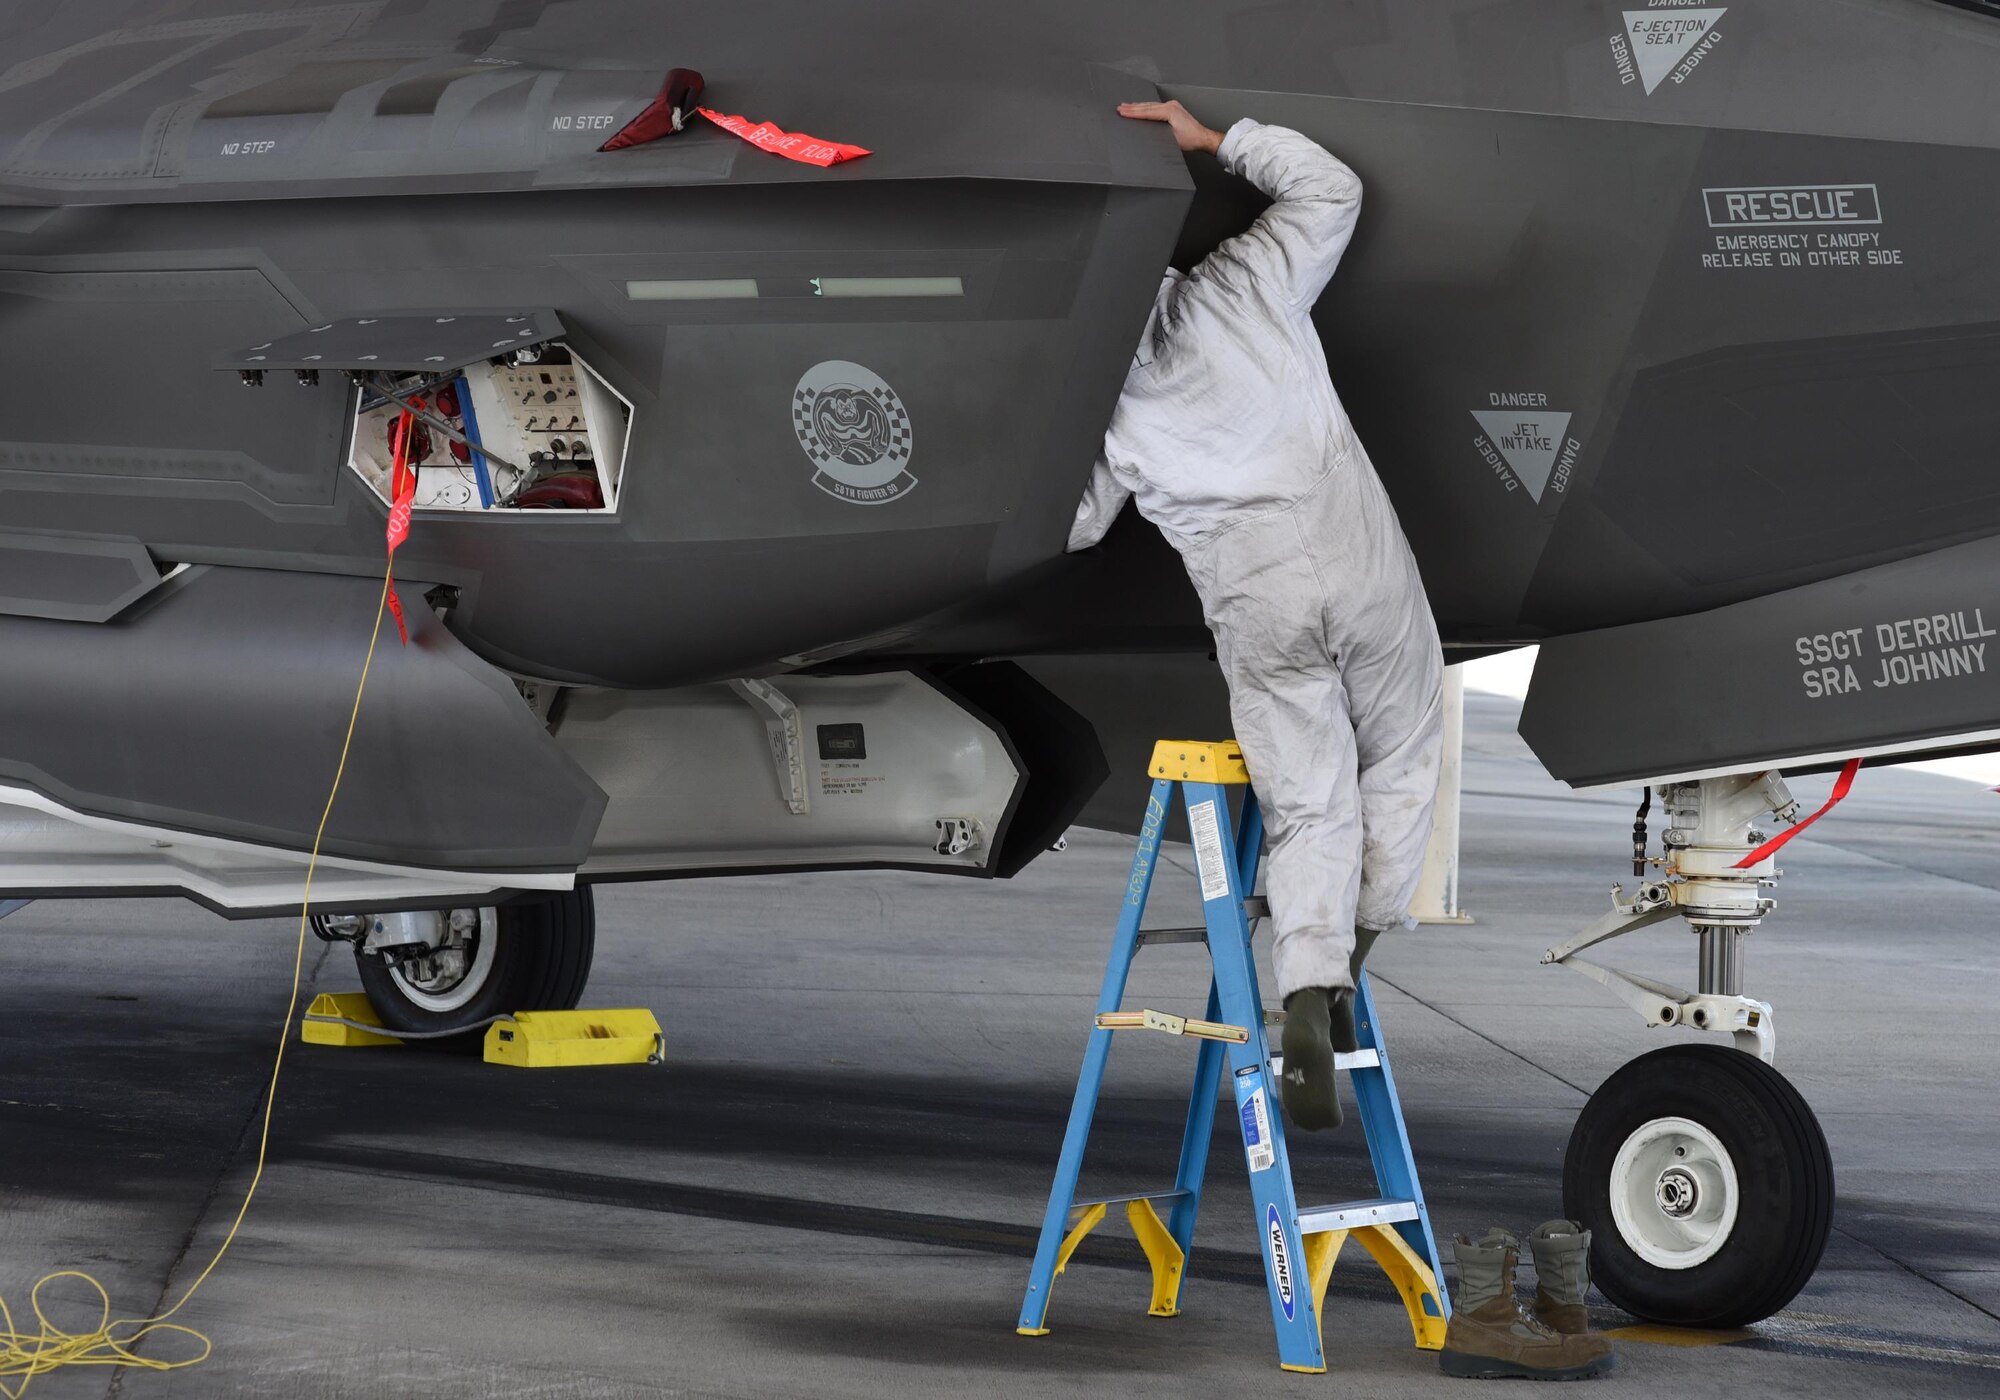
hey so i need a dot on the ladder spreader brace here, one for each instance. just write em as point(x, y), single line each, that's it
point(1394, 1227)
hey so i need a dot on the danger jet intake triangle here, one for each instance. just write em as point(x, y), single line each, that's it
point(1661, 37)
point(1529, 439)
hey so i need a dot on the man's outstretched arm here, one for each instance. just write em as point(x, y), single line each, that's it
point(1295, 245)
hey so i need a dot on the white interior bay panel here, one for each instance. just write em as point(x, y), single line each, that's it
point(890, 770)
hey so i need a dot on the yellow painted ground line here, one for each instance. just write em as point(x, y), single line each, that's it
point(1877, 1346)
point(1679, 1336)
point(1803, 1333)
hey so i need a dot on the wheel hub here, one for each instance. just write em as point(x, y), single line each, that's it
point(448, 976)
point(437, 971)
point(1678, 1192)
point(1674, 1193)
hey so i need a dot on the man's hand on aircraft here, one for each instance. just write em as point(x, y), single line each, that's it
point(1191, 134)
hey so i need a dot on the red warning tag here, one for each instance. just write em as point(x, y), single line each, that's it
point(402, 476)
point(399, 513)
point(403, 483)
point(396, 611)
point(1841, 787)
point(789, 144)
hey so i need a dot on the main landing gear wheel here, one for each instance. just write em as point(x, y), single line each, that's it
point(1705, 1182)
point(530, 955)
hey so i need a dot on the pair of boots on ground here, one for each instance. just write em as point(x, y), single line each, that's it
point(1492, 1336)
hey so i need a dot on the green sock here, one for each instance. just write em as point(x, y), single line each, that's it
point(1341, 1030)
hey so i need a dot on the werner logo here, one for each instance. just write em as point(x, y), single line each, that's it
point(1281, 1262)
point(1794, 206)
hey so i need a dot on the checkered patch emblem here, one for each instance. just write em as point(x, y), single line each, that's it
point(856, 431)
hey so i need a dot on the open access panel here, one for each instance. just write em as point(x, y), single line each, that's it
point(503, 414)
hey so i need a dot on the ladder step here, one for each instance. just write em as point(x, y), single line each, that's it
point(1385, 1210)
point(1077, 1207)
point(1150, 936)
point(1347, 1060)
point(1150, 1020)
point(1254, 907)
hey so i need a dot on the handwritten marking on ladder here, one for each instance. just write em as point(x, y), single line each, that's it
point(1142, 863)
point(1208, 860)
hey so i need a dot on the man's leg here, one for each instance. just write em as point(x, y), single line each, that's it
point(1299, 746)
point(1267, 608)
point(1398, 708)
point(1399, 741)
point(1379, 623)
point(1300, 749)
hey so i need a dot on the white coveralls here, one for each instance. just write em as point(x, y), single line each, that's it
point(1230, 436)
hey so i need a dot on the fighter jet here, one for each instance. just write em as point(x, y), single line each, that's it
point(737, 485)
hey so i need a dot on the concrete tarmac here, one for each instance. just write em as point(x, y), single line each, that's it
point(834, 1187)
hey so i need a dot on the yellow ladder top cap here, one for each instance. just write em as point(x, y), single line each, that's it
point(1192, 761)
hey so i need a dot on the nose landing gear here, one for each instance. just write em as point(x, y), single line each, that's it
point(1700, 1171)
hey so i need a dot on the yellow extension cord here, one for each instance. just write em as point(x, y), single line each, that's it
point(25, 1355)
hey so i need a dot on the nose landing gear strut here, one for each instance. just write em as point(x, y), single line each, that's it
point(1703, 881)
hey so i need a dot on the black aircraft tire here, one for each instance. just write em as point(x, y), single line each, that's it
point(539, 961)
point(1652, 1132)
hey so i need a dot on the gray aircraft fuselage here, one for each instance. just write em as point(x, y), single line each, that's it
point(1654, 309)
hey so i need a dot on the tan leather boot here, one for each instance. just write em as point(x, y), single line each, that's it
point(1562, 1275)
point(1491, 1337)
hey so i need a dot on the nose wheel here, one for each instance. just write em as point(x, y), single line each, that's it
point(1706, 1184)
point(459, 968)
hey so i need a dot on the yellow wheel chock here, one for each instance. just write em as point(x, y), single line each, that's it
point(526, 1040)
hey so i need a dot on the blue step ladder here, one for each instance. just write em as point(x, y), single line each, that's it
point(1298, 1246)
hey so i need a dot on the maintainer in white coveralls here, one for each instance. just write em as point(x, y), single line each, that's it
point(1231, 439)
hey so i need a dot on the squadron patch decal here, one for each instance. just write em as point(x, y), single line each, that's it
point(856, 431)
